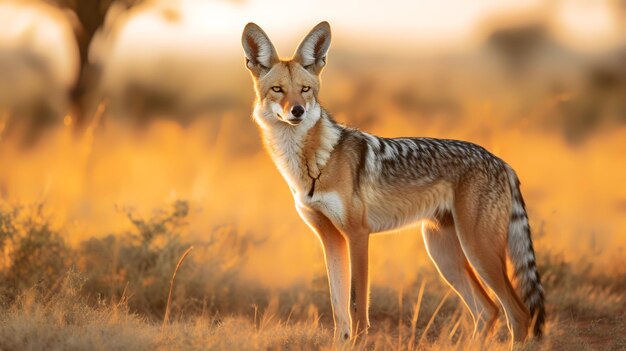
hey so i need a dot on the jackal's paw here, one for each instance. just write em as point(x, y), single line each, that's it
point(342, 336)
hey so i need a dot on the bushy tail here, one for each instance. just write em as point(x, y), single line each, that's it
point(522, 255)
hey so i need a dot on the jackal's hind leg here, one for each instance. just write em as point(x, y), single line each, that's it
point(482, 231)
point(445, 251)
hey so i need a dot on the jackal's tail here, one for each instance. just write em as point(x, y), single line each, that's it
point(522, 254)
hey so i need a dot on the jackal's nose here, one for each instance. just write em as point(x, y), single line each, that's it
point(297, 111)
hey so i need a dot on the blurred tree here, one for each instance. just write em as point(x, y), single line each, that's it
point(517, 44)
point(90, 15)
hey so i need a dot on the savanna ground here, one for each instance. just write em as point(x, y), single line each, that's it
point(94, 219)
point(110, 293)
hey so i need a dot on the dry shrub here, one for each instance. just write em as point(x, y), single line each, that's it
point(140, 263)
point(136, 265)
point(35, 253)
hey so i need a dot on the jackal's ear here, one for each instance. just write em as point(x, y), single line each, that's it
point(312, 51)
point(260, 53)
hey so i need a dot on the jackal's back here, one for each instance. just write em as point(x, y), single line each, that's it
point(427, 159)
point(403, 180)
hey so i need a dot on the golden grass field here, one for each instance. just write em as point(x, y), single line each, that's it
point(94, 218)
point(89, 251)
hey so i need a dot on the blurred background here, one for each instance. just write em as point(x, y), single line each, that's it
point(110, 106)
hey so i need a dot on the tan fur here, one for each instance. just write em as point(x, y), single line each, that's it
point(312, 143)
point(348, 184)
point(445, 250)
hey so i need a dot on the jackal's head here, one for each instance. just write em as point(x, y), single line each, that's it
point(286, 89)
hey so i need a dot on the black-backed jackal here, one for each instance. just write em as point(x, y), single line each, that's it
point(348, 184)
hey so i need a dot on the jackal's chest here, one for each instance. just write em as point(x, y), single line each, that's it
point(286, 151)
point(330, 204)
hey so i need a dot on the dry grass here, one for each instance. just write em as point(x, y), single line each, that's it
point(110, 294)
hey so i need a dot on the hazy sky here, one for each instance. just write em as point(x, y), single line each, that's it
point(445, 24)
point(213, 28)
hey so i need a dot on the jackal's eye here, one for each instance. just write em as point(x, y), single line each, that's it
point(277, 89)
point(305, 89)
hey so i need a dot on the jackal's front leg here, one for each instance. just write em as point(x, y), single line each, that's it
point(337, 267)
point(359, 290)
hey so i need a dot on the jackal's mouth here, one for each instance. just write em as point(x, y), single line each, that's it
point(292, 121)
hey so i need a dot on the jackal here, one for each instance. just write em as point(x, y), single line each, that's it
point(348, 184)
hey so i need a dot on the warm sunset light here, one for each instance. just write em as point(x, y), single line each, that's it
point(126, 136)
